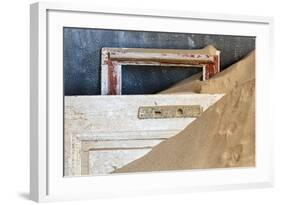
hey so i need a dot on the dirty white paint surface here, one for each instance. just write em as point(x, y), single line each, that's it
point(103, 132)
point(106, 161)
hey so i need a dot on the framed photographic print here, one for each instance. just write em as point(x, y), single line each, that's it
point(127, 102)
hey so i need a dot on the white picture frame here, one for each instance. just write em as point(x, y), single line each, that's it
point(46, 137)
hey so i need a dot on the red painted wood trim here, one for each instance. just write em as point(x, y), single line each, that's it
point(112, 83)
point(210, 62)
point(212, 68)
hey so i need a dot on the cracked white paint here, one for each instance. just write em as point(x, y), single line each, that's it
point(112, 135)
point(106, 161)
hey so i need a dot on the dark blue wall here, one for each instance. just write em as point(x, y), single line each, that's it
point(82, 57)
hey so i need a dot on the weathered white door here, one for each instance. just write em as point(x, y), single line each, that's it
point(103, 133)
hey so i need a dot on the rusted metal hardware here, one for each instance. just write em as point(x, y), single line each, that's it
point(112, 60)
point(169, 111)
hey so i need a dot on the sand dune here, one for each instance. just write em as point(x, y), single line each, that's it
point(224, 136)
point(235, 75)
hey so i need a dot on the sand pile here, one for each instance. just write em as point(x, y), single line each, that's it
point(235, 75)
point(224, 136)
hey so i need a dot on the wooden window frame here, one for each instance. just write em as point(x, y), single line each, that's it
point(112, 60)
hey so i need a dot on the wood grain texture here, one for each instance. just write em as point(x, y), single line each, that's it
point(106, 161)
point(110, 124)
point(104, 115)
